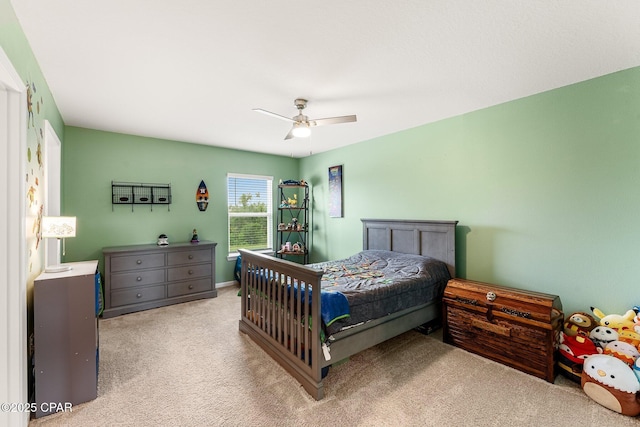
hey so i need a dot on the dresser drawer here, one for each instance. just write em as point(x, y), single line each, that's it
point(136, 296)
point(136, 262)
point(189, 272)
point(189, 257)
point(137, 278)
point(190, 287)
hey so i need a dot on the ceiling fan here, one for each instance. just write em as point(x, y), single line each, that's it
point(302, 124)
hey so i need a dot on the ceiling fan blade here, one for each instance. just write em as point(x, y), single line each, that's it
point(289, 135)
point(332, 120)
point(278, 116)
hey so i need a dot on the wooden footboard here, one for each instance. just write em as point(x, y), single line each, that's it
point(276, 314)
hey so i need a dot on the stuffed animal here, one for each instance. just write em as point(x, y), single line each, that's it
point(579, 323)
point(623, 351)
point(602, 335)
point(573, 351)
point(611, 383)
point(632, 337)
point(615, 321)
point(636, 321)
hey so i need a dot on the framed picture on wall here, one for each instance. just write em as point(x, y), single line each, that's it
point(335, 191)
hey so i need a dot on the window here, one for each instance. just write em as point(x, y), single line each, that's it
point(250, 203)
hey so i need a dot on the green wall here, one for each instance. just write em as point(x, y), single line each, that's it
point(546, 189)
point(92, 159)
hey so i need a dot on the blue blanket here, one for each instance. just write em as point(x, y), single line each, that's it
point(333, 305)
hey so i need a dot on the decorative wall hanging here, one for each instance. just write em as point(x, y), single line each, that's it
point(202, 197)
point(130, 193)
point(335, 191)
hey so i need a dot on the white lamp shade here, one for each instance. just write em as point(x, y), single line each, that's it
point(58, 227)
point(301, 130)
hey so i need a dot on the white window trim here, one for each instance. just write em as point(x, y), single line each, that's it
point(232, 256)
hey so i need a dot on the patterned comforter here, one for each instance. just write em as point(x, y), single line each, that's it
point(377, 283)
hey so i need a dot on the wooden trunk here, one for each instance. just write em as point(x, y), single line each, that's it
point(518, 328)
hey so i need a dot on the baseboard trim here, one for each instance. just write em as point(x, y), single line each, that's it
point(226, 284)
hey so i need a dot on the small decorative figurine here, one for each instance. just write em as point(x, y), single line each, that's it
point(194, 238)
point(163, 240)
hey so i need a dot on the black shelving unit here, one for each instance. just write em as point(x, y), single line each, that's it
point(132, 193)
point(293, 222)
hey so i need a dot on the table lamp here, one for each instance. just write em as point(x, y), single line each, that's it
point(58, 227)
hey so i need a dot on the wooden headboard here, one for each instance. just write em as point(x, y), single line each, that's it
point(435, 239)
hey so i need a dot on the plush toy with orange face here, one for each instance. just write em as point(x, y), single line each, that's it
point(629, 336)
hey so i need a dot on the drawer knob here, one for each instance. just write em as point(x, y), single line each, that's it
point(190, 256)
point(190, 271)
point(139, 262)
point(138, 278)
point(491, 296)
point(139, 296)
point(190, 286)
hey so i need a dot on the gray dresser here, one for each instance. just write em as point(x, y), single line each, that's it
point(141, 277)
point(65, 337)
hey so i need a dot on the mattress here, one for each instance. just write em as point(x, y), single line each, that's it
point(377, 283)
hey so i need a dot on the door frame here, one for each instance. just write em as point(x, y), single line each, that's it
point(52, 202)
point(13, 257)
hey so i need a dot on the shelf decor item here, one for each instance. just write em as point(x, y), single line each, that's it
point(335, 191)
point(163, 240)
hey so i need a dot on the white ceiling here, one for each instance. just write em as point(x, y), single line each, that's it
point(193, 70)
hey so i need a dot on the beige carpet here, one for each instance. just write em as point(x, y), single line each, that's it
point(188, 365)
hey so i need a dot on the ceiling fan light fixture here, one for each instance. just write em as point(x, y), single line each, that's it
point(301, 130)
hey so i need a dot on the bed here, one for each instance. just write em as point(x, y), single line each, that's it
point(279, 311)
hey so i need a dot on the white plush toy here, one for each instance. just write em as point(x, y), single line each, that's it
point(612, 383)
point(603, 335)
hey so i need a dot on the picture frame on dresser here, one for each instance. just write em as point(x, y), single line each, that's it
point(141, 277)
